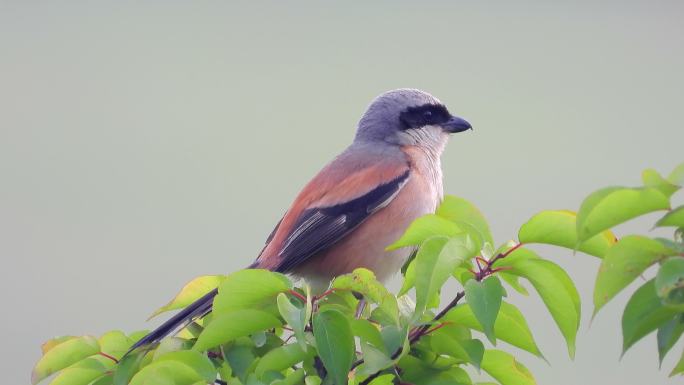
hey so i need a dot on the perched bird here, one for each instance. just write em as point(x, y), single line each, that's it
point(359, 203)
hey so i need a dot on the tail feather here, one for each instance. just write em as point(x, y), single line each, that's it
point(195, 310)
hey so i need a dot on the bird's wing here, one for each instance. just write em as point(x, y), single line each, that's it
point(330, 207)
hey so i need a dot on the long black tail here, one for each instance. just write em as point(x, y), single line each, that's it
point(195, 310)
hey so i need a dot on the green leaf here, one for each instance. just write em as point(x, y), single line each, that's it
point(385, 379)
point(643, 314)
point(228, 326)
point(166, 372)
point(652, 178)
point(49, 344)
point(518, 254)
point(679, 367)
point(83, 372)
point(669, 334)
point(367, 332)
point(280, 359)
point(191, 292)
point(624, 262)
point(559, 228)
point(363, 281)
point(294, 316)
point(417, 372)
point(669, 282)
point(374, 360)
point(253, 289)
point(460, 210)
point(555, 288)
point(484, 299)
point(514, 282)
point(469, 350)
point(436, 259)
point(104, 380)
point(677, 175)
point(294, 378)
point(63, 355)
point(395, 338)
point(200, 363)
point(674, 218)
point(115, 343)
point(240, 357)
point(171, 344)
point(611, 206)
point(505, 369)
point(127, 367)
point(510, 325)
point(425, 227)
point(335, 343)
point(677, 248)
point(137, 335)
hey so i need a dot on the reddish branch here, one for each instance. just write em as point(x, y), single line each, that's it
point(485, 269)
point(108, 356)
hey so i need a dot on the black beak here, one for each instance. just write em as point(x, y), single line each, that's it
point(456, 124)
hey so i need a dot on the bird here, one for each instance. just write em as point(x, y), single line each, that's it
point(359, 203)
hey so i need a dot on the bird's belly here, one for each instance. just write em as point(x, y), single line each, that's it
point(365, 246)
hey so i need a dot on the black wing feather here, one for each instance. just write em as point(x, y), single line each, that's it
point(319, 228)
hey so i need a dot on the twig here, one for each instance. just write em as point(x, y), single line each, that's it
point(294, 293)
point(108, 356)
point(421, 331)
point(414, 336)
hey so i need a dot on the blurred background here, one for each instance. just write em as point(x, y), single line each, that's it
point(145, 143)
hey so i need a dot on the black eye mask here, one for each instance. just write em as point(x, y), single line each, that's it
point(425, 115)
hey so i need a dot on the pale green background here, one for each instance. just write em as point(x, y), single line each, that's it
point(145, 143)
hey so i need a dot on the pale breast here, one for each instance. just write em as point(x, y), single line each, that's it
point(365, 246)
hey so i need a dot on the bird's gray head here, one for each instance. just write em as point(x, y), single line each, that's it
point(408, 117)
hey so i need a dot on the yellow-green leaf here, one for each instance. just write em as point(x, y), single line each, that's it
point(169, 372)
point(674, 218)
point(49, 344)
point(677, 175)
point(191, 292)
point(435, 261)
point(555, 288)
point(84, 371)
point(200, 363)
point(363, 281)
point(253, 289)
point(611, 206)
point(425, 227)
point(559, 228)
point(63, 355)
point(228, 326)
point(505, 369)
point(457, 209)
point(623, 263)
point(510, 325)
point(115, 343)
point(652, 178)
point(280, 359)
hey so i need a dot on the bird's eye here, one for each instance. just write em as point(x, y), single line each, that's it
point(427, 114)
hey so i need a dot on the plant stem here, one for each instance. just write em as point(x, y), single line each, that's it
point(482, 273)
